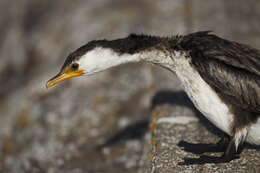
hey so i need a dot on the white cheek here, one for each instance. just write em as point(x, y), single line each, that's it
point(96, 60)
point(100, 59)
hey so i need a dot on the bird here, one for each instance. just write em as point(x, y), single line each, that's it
point(221, 77)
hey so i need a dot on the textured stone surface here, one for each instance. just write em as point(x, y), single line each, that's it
point(100, 123)
point(165, 149)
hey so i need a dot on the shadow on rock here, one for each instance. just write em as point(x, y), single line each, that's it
point(138, 129)
point(133, 131)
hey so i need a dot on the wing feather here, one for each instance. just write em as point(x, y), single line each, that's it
point(229, 52)
point(232, 69)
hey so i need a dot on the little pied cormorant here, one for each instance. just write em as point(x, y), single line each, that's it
point(221, 77)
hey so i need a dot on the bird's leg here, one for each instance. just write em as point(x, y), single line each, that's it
point(220, 146)
point(229, 154)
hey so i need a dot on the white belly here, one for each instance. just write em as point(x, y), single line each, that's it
point(203, 96)
point(210, 105)
point(253, 135)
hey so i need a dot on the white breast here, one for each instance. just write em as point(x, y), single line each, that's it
point(202, 95)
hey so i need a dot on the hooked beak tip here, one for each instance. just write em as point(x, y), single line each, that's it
point(54, 80)
point(48, 84)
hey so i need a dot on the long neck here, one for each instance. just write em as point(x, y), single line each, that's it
point(136, 48)
point(107, 54)
point(152, 55)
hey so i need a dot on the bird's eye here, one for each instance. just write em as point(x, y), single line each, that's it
point(75, 66)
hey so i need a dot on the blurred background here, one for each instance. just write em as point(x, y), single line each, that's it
point(95, 124)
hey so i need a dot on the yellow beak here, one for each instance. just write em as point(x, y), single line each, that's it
point(66, 74)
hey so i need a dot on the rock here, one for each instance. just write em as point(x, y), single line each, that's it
point(172, 132)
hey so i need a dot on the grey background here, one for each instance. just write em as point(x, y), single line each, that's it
point(60, 129)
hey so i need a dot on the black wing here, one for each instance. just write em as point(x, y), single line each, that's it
point(232, 69)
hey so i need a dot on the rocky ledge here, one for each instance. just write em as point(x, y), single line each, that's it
point(177, 133)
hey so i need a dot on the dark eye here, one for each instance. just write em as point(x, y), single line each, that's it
point(75, 66)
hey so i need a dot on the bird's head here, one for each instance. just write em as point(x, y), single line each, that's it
point(86, 60)
point(99, 55)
